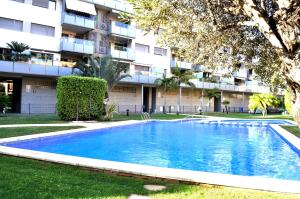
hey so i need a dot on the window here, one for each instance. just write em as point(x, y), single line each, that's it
point(142, 48)
point(51, 4)
point(141, 68)
point(42, 30)
point(160, 51)
point(42, 58)
point(121, 89)
point(120, 47)
point(21, 1)
point(11, 24)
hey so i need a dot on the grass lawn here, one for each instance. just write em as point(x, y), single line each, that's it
point(25, 178)
point(19, 131)
point(250, 116)
point(292, 129)
point(29, 119)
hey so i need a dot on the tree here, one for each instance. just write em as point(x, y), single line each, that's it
point(226, 104)
point(103, 67)
point(288, 101)
point(5, 102)
point(264, 35)
point(213, 93)
point(17, 49)
point(165, 84)
point(263, 102)
point(182, 78)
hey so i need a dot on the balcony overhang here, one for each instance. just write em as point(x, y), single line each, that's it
point(81, 6)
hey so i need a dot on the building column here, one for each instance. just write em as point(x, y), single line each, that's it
point(142, 98)
point(221, 101)
point(243, 102)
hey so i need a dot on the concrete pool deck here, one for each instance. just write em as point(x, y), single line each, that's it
point(250, 182)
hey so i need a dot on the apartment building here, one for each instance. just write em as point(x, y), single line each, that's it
point(59, 32)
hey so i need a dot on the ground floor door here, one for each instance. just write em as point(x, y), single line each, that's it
point(153, 100)
point(217, 104)
point(146, 99)
point(12, 87)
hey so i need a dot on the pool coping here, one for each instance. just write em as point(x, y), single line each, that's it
point(249, 182)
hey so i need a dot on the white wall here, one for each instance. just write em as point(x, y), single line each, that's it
point(31, 14)
point(38, 95)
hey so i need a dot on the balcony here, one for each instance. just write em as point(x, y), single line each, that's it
point(114, 4)
point(181, 64)
point(77, 45)
point(33, 69)
point(123, 53)
point(121, 29)
point(241, 74)
point(78, 23)
point(142, 79)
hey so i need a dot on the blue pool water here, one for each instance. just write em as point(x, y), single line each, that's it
point(219, 148)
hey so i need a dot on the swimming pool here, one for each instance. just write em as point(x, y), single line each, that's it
point(190, 145)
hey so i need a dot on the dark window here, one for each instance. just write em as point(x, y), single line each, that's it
point(51, 4)
point(21, 1)
point(42, 30)
point(11, 24)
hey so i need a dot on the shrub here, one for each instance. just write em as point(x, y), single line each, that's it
point(80, 97)
point(5, 101)
point(288, 101)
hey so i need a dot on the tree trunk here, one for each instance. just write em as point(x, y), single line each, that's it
point(165, 102)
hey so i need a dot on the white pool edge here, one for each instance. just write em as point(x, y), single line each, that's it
point(248, 182)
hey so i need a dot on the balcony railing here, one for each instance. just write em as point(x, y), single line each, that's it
point(77, 20)
point(122, 29)
point(181, 64)
point(123, 53)
point(33, 69)
point(241, 73)
point(114, 4)
point(77, 45)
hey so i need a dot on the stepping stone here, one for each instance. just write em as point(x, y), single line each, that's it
point(154, 187)
point(134, 196)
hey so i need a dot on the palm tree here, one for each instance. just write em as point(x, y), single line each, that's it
point(214, 93)
point(226, 104)
point(17, 49)
point(165, 84)
point(180, 78)
point(104, 67)
point(263, 102)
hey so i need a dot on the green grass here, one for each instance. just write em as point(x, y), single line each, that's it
point(292, 129)
point(29, 119)
point(249, 116)
point(23, 178)
point(19, 131)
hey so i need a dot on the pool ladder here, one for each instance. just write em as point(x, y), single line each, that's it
point(145, 116)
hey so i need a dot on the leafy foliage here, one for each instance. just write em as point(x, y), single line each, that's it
point(165, 84)
point(263, 102)
point(105, 68)
point(18, 49)
point(5, 101)
point(80, 97)
point(213, 93)
point(226, 104)
point(288, 102)
point(264, 35)
point(110, 110)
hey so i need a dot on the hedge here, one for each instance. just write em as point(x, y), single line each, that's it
point(80, 97)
